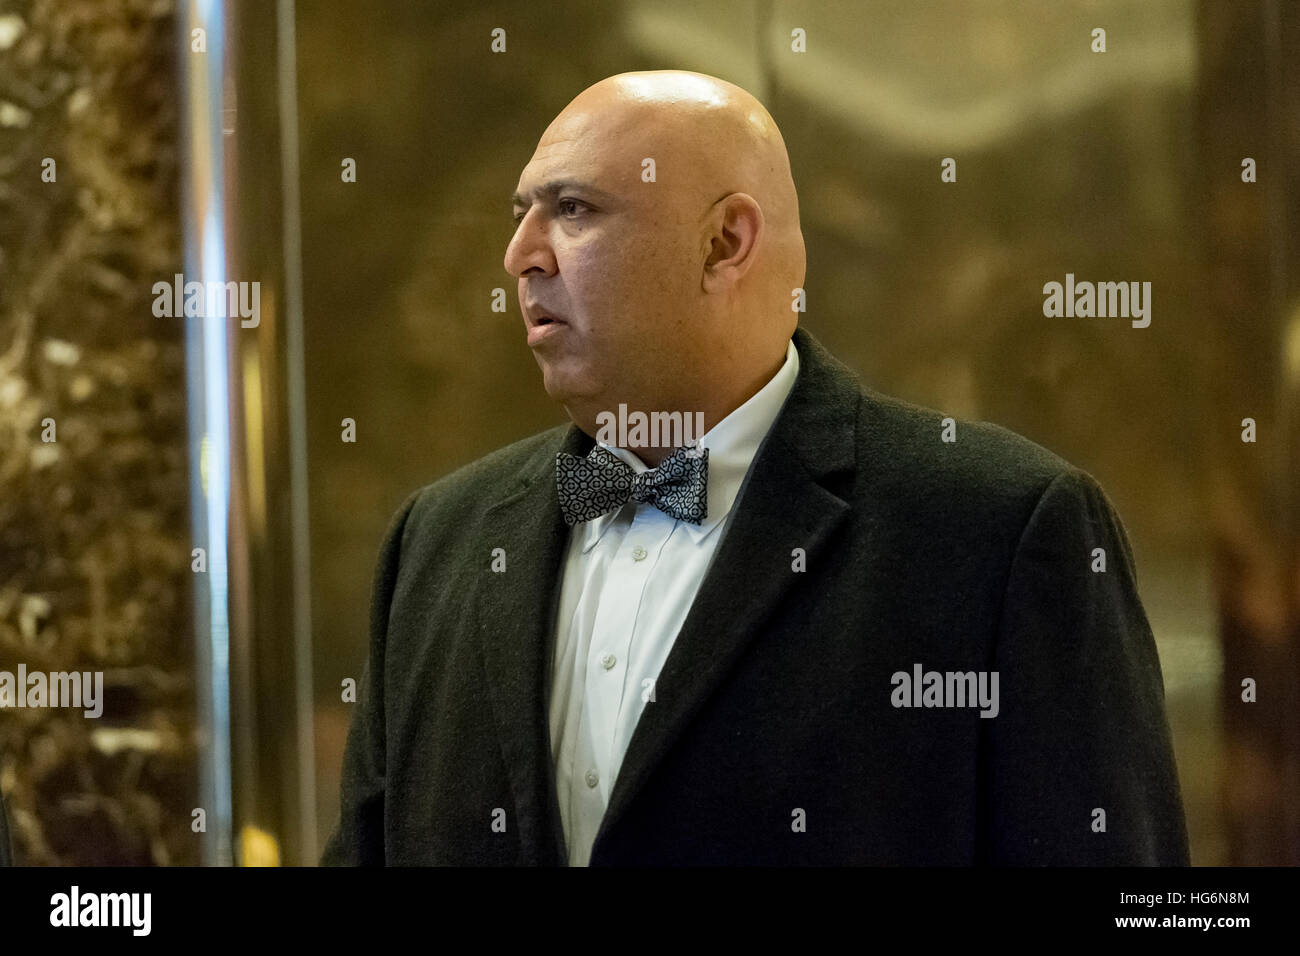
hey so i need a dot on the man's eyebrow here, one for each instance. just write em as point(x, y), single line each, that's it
point(556, 186)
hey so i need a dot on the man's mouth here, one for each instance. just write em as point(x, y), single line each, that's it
point(538, 317)
point(543, 327)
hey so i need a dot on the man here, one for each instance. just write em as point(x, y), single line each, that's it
point(819, 634)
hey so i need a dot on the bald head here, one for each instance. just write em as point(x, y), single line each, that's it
point(711, 138)
point(658, 220)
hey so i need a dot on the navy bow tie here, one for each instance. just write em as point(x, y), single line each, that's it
point(592, 486)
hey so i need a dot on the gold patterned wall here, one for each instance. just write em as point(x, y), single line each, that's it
point(94, 508)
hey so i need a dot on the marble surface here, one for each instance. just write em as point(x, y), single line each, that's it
point(94, 525)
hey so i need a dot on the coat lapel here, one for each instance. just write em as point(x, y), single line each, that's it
point(516, 624)
point(786, 503)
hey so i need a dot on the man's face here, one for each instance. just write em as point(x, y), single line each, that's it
point(610, 256)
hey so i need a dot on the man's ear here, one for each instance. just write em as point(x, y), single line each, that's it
point(733, 244)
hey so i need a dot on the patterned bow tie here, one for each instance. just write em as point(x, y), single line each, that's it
point(592, 486)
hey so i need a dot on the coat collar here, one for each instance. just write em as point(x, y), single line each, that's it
point(791, 498)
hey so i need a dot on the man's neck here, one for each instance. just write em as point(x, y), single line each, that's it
point(714, 411)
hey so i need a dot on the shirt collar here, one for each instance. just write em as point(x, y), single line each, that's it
point(733, 443)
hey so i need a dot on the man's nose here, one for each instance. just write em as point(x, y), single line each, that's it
point(530, 247)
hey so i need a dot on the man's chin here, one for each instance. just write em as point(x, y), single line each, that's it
point(577, 396)
point(560, 384)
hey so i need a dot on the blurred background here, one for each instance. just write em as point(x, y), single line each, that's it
point(201, 531)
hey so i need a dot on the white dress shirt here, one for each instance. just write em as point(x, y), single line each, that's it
point(630, 577)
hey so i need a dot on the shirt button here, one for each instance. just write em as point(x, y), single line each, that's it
point(609, 660)
point(638, 553)
point(592, 778)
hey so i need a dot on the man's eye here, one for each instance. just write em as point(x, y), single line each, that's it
point(577, 207)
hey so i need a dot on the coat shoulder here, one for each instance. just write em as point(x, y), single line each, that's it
point(942, 457)
point(472, 488)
